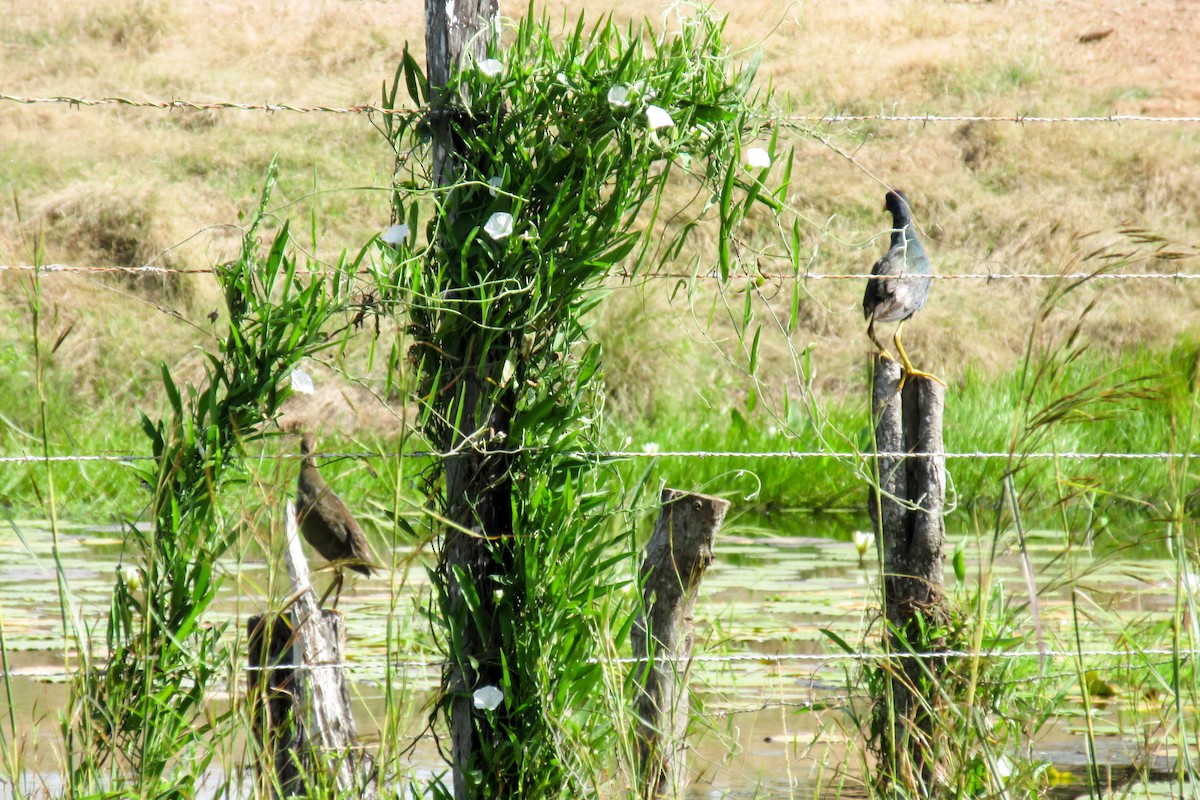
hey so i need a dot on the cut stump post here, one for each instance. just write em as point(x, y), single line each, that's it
point(272, 700)
point(674, 562)
point(303, 710)
point(907, 510)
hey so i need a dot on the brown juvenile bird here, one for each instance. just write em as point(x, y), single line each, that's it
point(327, 524)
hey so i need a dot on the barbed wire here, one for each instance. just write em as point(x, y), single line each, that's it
point(379, 666)
point(1001, 655)
point(208, 105)
point(988, 277)
point(802, 119)
point(143, 270)
point(953, 276)
point(799, 454)
point(583, 455)
point(1020, 119)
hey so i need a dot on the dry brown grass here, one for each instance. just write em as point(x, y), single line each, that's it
point(125, 186)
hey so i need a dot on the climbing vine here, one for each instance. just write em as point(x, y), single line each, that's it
point(565, 145)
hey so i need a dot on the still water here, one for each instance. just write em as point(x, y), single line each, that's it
point(776, 698)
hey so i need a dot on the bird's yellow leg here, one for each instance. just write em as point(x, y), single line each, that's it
point(336, 583)
point(909, 369)
point(341, 577)
point(875, 340)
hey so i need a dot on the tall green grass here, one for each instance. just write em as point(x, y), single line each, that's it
point(979, 419)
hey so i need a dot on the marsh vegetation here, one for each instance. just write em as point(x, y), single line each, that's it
point(1073, 590)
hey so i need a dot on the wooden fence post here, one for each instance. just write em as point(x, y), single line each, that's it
point(907, 510)
point(302, 710)
point(477, 544)
point(271, 696)
point(676, 557)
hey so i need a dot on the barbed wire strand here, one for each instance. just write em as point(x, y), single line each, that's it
point(765, 659)
point(208, 105)
point(781, 658)
point(803, 119)
point(801, 276)
point(1019, 119)
point(631, 454)
point(953, 276)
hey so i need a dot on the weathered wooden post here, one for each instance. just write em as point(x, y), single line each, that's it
point(272, 700)
point(676, 557)
point(477, 546)
point(907, 507)
point(303, 709)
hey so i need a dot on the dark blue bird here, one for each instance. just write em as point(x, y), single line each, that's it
point(905, 287)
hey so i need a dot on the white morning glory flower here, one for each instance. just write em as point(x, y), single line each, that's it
point(487, 698)
point(863, 541)
point(494, 182)
point(301, 381)
point(132, 578)
point(618, 96)
point(490, 67)
point(395, 235)
point(658, 118)
point(499, 225)
point(757, 158)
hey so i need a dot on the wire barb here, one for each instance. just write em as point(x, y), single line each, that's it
point(630, 454)
point(803, 119)
point(382, 666)
point(987, 277)
point(214, 105)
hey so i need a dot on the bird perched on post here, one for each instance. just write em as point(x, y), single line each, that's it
point(904, 287)
point(327, 524)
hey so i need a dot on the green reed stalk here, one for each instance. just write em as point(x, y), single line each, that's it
point(144, 715)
